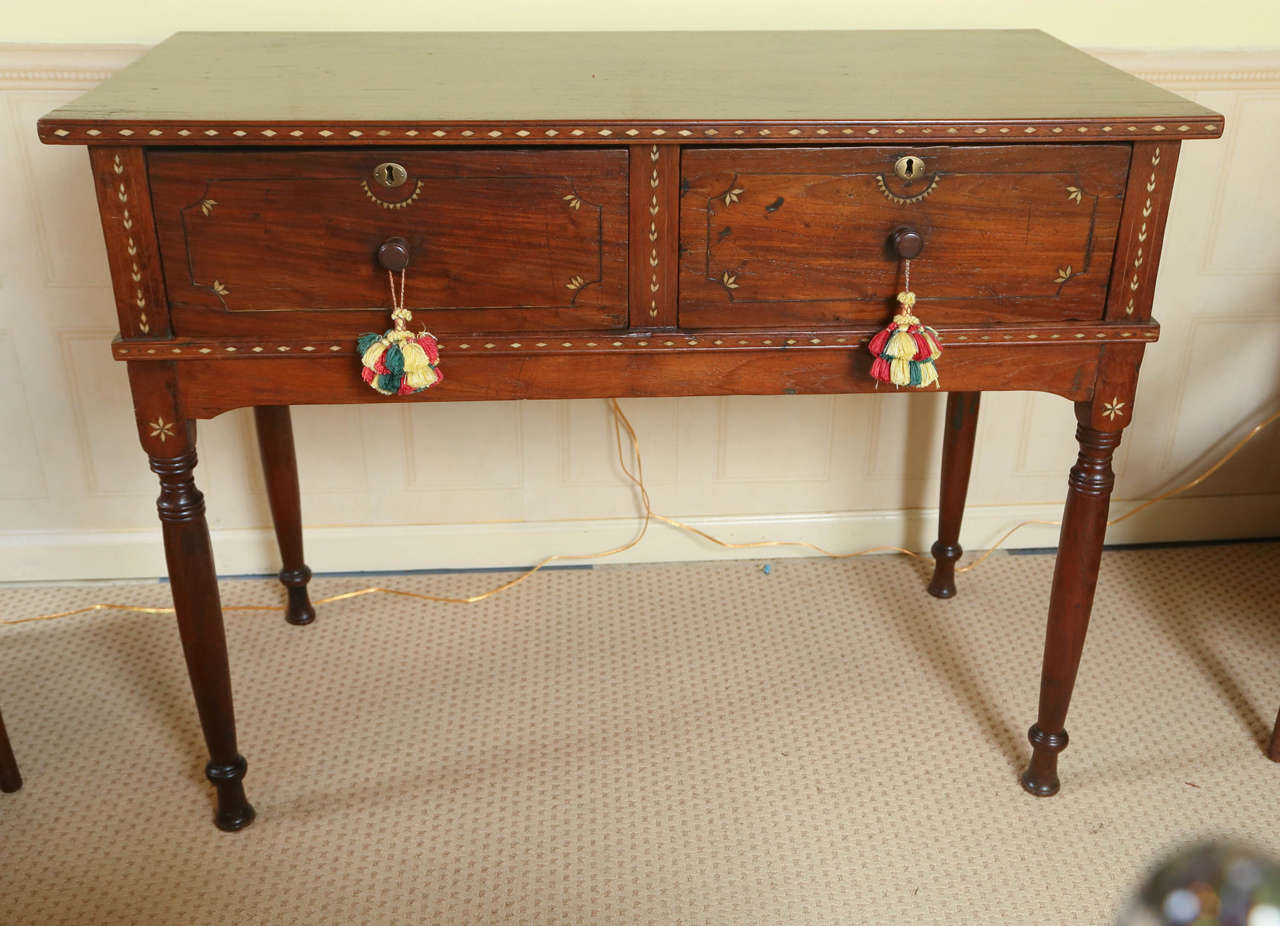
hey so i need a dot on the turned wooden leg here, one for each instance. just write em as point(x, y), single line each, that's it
point(957, 458)
point(196, 602)
point(280, 467)
point(10, 778)
point(1273, 748)
point(1075, 575)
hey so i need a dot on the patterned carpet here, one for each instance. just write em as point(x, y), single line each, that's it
point(682, 744)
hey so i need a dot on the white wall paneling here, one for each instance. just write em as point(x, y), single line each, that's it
point(506, 483)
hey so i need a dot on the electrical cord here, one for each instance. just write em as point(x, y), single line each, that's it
point(620, 424)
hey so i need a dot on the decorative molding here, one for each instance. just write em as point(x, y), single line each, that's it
point(1218, 68)
point(73, 66)
point(34, 66)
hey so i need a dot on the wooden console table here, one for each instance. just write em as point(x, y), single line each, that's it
point(652, 214)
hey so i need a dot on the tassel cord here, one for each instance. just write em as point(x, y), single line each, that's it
point(398, 362)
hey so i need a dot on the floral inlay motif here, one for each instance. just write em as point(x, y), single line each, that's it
point(1113, 409)
point(161, 429)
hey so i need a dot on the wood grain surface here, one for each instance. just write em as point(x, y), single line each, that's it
point(372, 88)
point(208, 389)
point(499, 240)
point(776, 236)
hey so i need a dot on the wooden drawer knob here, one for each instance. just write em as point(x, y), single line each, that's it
point(907, 243)
point(393, 254)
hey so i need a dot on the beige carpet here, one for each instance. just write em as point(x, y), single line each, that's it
point(699, 744)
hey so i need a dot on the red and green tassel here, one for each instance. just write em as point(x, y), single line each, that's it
point(399, 362)
point(906, 350)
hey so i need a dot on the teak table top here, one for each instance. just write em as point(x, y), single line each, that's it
point(370, 88)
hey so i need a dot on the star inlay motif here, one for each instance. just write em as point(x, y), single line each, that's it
point(1113, 409)
point(161, 429)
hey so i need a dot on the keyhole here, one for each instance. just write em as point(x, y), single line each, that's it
point(390, 174)
point(909, 167)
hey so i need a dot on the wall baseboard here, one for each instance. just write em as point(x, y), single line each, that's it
point(47, 556)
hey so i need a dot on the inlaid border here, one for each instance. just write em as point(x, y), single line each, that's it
point(1146, 207)
point(654, 186)
point(73, 132)
point(128, 225)
point(655, 262)
point(1143, 233)
point(124, 189)
point(656, 341)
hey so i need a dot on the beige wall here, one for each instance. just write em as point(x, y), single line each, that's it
point(500, 483)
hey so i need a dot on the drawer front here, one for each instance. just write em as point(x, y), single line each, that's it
point(286, 242)
point(800, 236)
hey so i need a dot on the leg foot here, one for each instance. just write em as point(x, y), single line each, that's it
point(957, 460)
point(234, 810)
point(1041, 776)
point(945, 556)
point(299, 610)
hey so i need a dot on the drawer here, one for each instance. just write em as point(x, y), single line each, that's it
point(285, 242)
point(800, 236)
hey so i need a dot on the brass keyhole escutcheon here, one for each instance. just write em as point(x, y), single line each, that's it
point(390, 174)
point(909, 167)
